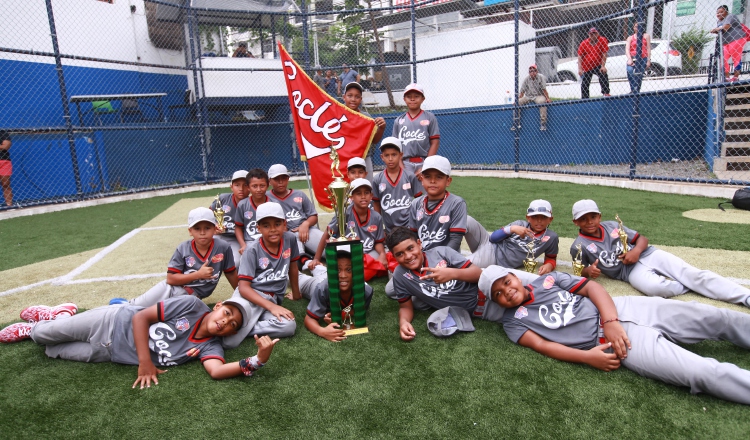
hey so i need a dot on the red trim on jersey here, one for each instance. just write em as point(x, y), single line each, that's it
point(394, 182)
point(234, 200)
point(579, 286)
point(439, 205)
point(467, 264)
point(437, 136)
point(635, 238)
point(173, 270)
point(591, 237)
point(415, 117)
point(530, 288)
point(231, 269)
point(295, 259)
point(356, 216)
point(252, 202)
point(198, 254)
point(424, 264)
point(160, 311)
point(380, 241)
point(246, 277)
point(270, 193)
point(278, 253)
point(213, 356)
point(312, 315)
point(462, 231)
point(197, 325)
point(549, 259)
point(403, 300)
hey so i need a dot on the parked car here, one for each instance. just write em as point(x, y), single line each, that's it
point(662, 55)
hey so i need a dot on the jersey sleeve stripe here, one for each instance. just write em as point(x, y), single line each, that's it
point(579, 286)
point(312, 315)
point(437, 136)
point(295, 258)
point(160, 311)
point(635, 238)
point(467, 264)
point(239, 224)
point(173, 270)
point(213, 356)
point(231, 269)
point(246, 277)
point(403, 300)
point(462, 231)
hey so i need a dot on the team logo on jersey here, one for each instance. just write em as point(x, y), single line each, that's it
point(549, 282)
point(424, 122)
point(406, 186)
point(227, 209)
point(298, 200)
point(263, 262)
point(381, 187)
point(248, 215)
point(615, 233)
point(401, 121)
point(190, 261)
point(193, 352)
point(372, 228)
point(218, 258)
point(408, 276)
point(350, 225)
point(521, 313)
point(444, 218)
point(442, 263)
point(591, 248)
point(420, 215)
point(182, 324)
point(286, 253)
point(545, 239)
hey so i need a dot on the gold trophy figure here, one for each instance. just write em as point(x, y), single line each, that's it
point(578, 262)
point(530, 263)
point(338, 192)
point(623, 235)
point(219, 214)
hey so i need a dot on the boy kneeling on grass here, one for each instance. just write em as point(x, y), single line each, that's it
point(172, 332)
point(572, 319)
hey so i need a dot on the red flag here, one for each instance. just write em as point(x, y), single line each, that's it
point(322, 122)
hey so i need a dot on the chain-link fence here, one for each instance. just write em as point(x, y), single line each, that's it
point(109, 96)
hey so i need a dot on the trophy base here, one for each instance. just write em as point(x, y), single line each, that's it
point(356, 331)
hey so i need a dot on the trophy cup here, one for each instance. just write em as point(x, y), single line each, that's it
point(578, 262)
point(623, 235)
point(352, 318)
point(219, 214)
point(530, 263)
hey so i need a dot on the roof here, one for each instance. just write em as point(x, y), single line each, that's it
point(240, 13)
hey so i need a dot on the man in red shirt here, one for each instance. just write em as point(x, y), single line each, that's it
point(592, 60)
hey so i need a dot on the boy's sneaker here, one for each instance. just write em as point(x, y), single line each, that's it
point(16, 332)
point(733, 79)
point(45, 313)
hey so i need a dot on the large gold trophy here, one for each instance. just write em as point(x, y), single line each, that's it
point(219, 214)
point(530, 263)
point(623, 235)
point(338, 194)
point(578, 262)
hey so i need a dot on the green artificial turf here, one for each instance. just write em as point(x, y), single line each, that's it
point(473, 385)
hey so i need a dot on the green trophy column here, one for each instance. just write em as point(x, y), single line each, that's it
point(358, 281)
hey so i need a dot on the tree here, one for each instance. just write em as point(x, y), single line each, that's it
point(690, 44)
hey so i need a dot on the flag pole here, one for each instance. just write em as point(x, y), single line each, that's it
point(307, 177)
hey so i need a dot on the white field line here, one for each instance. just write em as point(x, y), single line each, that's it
point(117, 278)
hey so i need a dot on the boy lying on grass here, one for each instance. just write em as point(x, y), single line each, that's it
point(172, 332)
point(572, 319)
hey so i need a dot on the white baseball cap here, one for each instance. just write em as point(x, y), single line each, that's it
point(243, 306)
point(269, 209)
point(489, 276)
point(392, 141)
point(415, 87)
point(582, 207)
point(201, 214)
point(448, 321)
point(239, 174)
point(355, 161)
point(540, 207)
point(277, 170)
point(356, 183)
point(437, 163)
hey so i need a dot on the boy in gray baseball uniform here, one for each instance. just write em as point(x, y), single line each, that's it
point(394, 189)
point(301, 217)
point(572, 319)
point(266, 267)
point(508, 246)
point(650, 270)
point(417, 130)
point(172, 332)
point(434, 279)
point(196, 265)
point(228, 203)
point(244, 215)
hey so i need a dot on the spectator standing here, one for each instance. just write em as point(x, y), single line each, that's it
point(734, 39)
point(6, 168)
point(241, 51)
point(637, 65)
point(592, 60)
point(330, 84)
point(318, 77)
point(534, 88)
point(346, 77)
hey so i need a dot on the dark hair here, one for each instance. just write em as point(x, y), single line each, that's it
point(243, 44)
point(399, 234)
point(357, 166)
point(343, 254)
point(724, 7)
point(258, 174)
point(389, 146)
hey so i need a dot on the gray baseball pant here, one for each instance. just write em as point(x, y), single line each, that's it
point(260, 322)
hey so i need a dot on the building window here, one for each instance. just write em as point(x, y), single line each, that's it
point(685, 7)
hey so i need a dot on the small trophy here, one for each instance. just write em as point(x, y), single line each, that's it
point(530, 263)
point(578, 262)
point(347, 321)
point(623, 235)
point(219, 214)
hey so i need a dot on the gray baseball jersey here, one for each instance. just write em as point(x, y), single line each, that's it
point(229, 205)
point(172, 340)
point(267, 272)
point(416, 133)
point(320, 301)
point(244, 217)
point(434, 226)
point(453, 293)
point(369, 231)
point(555, 312)
point(296, 205)
point(395, 197)
point(511, 251)
point(186, 259)
point(606, 249)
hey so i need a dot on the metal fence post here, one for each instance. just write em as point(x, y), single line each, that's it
point(413, 43)
point(516, 110)
point(637, 93)
point(199, 114)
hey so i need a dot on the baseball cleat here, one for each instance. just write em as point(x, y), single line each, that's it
point(45, 313)
point(16, 332)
